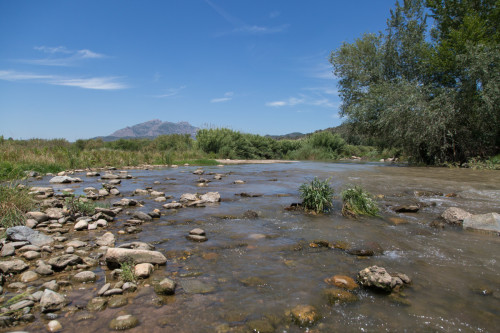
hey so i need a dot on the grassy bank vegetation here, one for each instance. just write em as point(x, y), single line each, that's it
point(18, 156)
point(14, 203)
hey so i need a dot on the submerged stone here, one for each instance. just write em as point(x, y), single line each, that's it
point(124, 322)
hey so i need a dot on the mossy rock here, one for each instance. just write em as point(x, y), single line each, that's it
point(339, 296)
point(124, 322)
point(97, 304)
point(304, 315)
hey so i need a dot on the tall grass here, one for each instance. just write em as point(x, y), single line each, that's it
point(357, 201)
point(317, 196)
point(14, 203)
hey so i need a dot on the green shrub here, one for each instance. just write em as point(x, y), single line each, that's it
point(356, 201)
point(80, 205)
point(14, 203)
point(127, 273)
point(317, 196)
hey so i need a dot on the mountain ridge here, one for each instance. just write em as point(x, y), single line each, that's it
point(151, 129)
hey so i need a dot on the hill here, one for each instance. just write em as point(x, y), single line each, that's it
point(151, 129)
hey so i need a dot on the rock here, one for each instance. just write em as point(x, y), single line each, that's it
point(64, 180)
point(93, 174)
point(54, 326)
point(129, 286)
point(342, 281)
point(188, 197)
point(156, 214)
point(114, 291)
point(76, 243)
point(197, 231)
point(160, 199)
point(304, 315)
point(97, 304)
point(81, 225)
point(250, 214)
point(196, 238)
point(116, 256)
point(239, 181)
point(196, 287)
point(7, 250)
point(142, 216)
point(114, 191)
point(59, 263)
point(143, 271)
point(455, 215)
point(124, 322)
point(13, 266)
point(110, 176)
point(52, 285)
point(339, 296)
point(108, 239)
point(172, 205)
point(138, 246)
point(55, 213)
point(126, 202)
point(157, 194)
point(23, 233)
point(117, 301)
point(165, 287)
point(484, 222)
point(211, 197)
point(84, 277)
point(28, 276)
point(51, 301)
point(37, 216)
point(103, 192)
point(21, 305)
point(141, 192)
point(31, 223)
point(198, 172)
point(17, 285)
point(406, 209)
point(260, 325)
point(377, 278)
point(43, 269)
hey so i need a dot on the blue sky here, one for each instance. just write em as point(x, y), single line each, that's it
point(80, 69)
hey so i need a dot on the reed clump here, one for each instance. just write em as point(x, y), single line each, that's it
point(357, 201)
point(317, 195)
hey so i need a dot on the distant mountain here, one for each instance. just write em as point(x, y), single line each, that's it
point(152, 129)
point(289, 136)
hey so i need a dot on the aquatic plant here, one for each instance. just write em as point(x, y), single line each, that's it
point(127, 273)
point(357, 201)
point(317, 196)
point(80, 205)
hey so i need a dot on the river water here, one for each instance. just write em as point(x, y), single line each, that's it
point(251, 271)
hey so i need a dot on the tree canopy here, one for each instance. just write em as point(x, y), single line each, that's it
point(429, 84)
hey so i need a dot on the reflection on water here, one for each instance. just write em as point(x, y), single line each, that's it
point(255, 269)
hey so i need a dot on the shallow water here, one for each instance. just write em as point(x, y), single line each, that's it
point(448, 267)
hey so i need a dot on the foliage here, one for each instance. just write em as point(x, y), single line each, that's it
point(356, 201)
point(80, 205)
point(15, 201)
point(127, 273)
point(317, 196)
point(433, 93)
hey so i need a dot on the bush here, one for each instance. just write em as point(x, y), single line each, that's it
point(127, 273)
point(356, 201)
point(80, 205)
point(317, 196)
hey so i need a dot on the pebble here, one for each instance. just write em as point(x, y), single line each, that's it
point(54, 326)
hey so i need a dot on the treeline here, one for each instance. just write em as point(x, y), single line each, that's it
point(430, 84)
point(17, 156)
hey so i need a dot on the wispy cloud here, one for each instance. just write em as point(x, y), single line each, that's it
point(170, 92)
point(241, 27)
point(227, 97)
point(303, 99)
point(97, 83)
point(61, 56)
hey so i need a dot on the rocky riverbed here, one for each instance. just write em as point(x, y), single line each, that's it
point(166, 244)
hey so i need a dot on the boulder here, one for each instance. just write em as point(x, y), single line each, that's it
point(55, 213)
point(172, 205)
point(165, 287)
point(108, 239)
point(13, 266)
point(304, 315)
point(455, 215)
point(138, 246)
point(124, 322)
point(211, 197)
point(51, 301)
point(142, 216)
point(484, 222)
point(342, 281)
point(188, 197)
point(85, 276)
point(64, 180)
point(28, 276)
point(38, 216)
point(116, 256)
point(377, 278)
point(81, 225)
point(7, 250)
point(59, 263)
point(143, 270)
point(23, 233)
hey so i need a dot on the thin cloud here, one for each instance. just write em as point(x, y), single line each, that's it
point(289, 102)
point(241, 27)
point(61, 56)
point(96, 83)
point(170, 92)
point(320, 101)
point(227, 97)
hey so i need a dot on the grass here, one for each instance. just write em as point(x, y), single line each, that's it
point(127, 274)
point(14, 203)
point(317, 196)
point(80, 205)
point(357, 201)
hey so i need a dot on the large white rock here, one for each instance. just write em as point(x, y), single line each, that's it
point(116, 255)
point(484, 222)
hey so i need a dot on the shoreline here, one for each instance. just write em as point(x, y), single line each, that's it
point(231, 162)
